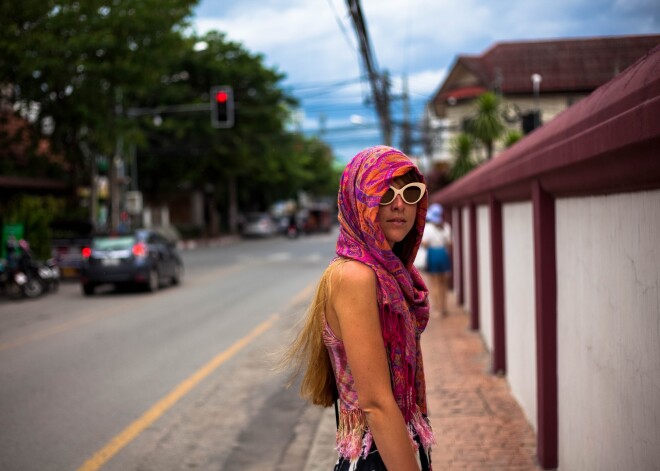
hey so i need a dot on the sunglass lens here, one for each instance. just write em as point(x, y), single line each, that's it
point(387, 197)
point(412, 194)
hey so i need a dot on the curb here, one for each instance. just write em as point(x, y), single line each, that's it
point(322, 454)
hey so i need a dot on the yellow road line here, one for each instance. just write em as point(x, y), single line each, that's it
point(157, 410)
point(112, 310)
point(304, 294)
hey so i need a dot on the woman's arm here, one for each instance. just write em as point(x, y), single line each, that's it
point(354, 312)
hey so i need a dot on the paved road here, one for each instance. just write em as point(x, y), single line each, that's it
point(177, 379)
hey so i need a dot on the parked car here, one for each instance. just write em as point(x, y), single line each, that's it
point(69, 238)
point(259, 225)
point(145, 258)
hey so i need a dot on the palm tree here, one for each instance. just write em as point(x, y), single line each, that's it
point(487, 126)
point(511, 137)
point(462, 147)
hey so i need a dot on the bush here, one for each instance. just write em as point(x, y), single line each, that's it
point(36, 214)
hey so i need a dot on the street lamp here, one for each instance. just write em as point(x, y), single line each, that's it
point(536, 84)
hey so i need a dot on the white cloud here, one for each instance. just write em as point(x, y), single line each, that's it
point(300, 38)
point(420, 38)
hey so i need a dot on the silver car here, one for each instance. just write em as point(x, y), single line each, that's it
point(259, 225)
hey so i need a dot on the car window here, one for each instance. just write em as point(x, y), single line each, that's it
point(257, 217)
point(113, 243)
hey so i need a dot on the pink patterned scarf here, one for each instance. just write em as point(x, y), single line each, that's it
point(402, 294)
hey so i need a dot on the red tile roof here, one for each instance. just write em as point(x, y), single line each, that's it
point(565, 65)
point(464, 92)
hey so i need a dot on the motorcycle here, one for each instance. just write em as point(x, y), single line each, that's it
point(20, 284)
point(48, 274)
point(292, 232)
point(29, 279)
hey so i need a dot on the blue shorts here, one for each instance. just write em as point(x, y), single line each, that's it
point(438, 260)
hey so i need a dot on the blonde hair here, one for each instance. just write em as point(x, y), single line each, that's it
point(307, 355)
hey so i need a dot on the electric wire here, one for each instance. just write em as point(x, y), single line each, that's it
point(342, 27)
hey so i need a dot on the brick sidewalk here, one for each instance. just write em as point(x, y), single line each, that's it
point(477, 422)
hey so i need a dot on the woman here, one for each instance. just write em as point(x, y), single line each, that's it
point(437, 240)
point(360, 341)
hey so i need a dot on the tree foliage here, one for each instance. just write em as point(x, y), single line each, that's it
point(267, 161)
point(66, 62)
point(462, 148)
point(93, 75)
point(511, 137)
point(488, 124)
point(36, 214)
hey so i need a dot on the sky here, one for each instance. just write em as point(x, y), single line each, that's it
point(313, 43)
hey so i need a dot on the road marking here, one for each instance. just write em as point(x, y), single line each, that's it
point(68, 325)
point(157, 410)
point(113, 310)
point(305, 294)
point(279, 257)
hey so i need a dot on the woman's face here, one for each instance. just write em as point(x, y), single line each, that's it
point(398, 218)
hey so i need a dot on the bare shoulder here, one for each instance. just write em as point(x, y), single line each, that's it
point(352, 293)
point(351, 274)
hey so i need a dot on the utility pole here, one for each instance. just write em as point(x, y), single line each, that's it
point(406, 141)
point(379, 83)
point(115, 161)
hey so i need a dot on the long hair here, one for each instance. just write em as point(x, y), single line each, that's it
point(307, 355)
point(404, 249)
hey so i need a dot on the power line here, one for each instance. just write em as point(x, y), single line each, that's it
point(343, 29)
point(379, 83)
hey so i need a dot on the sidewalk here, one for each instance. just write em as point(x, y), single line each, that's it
point(477, 422)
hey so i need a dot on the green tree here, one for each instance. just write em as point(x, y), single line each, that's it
point(462, 148)
point(263, 159)
point(487, 125)
point(93, 74)
point(69, 62)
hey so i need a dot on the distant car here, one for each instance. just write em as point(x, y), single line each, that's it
point(259, 225)
point(144, 257)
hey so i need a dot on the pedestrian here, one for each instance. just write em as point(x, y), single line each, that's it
point(437, 241)
point(359, 345)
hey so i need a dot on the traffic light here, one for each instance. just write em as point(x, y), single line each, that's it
point(222, 107)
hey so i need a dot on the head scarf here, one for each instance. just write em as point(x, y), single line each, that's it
point(402, 294)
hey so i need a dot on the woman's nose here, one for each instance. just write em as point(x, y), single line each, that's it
point(398, 202)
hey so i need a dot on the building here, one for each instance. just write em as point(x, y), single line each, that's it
point(536, 79)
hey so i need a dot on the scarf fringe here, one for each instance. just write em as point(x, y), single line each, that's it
point(354, 438)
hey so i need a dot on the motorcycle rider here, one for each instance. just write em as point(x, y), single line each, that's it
point(25, 257)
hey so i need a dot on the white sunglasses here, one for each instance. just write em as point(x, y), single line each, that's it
point(410, 193)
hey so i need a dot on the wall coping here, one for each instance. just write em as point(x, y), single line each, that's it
point(609, 142)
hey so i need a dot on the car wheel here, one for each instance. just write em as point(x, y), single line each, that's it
point(178, 272)
point(153, 281)
point(88, 289)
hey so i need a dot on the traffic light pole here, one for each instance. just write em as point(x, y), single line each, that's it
point(136, 112)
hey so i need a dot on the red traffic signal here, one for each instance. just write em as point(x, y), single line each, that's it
point(222, 107)
point(221, 96)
